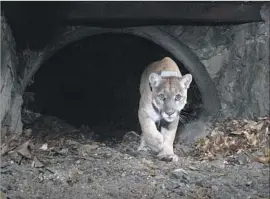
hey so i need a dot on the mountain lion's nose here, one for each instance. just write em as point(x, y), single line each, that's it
point(170, 112)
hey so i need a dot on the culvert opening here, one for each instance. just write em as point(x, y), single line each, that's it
point(95, 82)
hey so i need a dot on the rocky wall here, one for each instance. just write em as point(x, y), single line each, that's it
point(237, 59)
point(10, 95)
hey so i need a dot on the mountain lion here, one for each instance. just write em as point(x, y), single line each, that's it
point(163, 92)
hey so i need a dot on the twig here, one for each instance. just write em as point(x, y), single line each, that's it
point(85, 158)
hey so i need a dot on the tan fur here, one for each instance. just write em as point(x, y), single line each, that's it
point(166, 64)
point(161, 142)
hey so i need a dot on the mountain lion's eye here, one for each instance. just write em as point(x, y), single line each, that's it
point(161, 96)
point(177, 97)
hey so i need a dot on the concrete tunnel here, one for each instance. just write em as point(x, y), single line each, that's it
point(90, 75)
point(95, 81)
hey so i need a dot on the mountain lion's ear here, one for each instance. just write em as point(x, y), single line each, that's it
point(154, 79)
point(186, 80)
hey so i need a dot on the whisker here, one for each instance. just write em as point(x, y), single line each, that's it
point(183, 120)
point(188, 119)
point(183, 116)
point(180, 119)
point(185, 113)
point(184, 110)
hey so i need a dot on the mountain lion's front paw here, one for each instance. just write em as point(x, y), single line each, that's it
point(155, 142)
point(168, 157)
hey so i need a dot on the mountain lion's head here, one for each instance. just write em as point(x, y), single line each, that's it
point(169, 94)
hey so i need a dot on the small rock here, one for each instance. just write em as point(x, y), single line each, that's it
point(236, 132)
point(131, 136)
point(258, 153)
point(193, 168)
point(87, 148)
point(74, 175)
point(148, 163)
point(2, 195)
point(24, 150)
point(72, 142)
point(36, 163)
point(214, 188)
point(63, 151)
point(27, 132)
point(243, 158)
point(90, 180)
point(249, 183)
point(4, 149)
point(256, 165)
point(259, 126)
point(41, 178)
point(216, 133)
point(127, 157)
point(107, 155)
point(180, 174)
point(251, 125)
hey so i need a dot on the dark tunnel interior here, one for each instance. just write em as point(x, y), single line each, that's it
point(95, 82)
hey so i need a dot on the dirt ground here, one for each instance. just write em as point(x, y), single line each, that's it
point(52, 159)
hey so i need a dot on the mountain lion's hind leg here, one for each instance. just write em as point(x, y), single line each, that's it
point(142, 146)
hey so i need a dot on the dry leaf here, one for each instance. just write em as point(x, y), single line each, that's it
point(259, 126)
point(200, 141)
point(180, 170)
point(219, 140)
point(4, 149)
point(250, 135)
point(152, 173)
point(236, 132)
point(252, 140)
point(219, 174)
point(260, 159)
point(205, 144)
point(44, 147)
point(24, 150)
point(9, 145)
point(63, 151)
point(149, 163)
point(250, 125)
point(28, 132)
point(36, 163)
point(74, 175)
point(245, 121)
point(2, 195)
point(263, 159)
point(263, 118)
point(87, 148)
point(267, 152)
point(226, 143)
point(216, 133)
point(193, 168)
point(266, 130)
point(247, 135)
